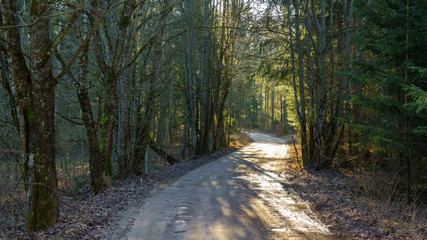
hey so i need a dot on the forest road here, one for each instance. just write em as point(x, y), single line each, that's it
point(240, 196)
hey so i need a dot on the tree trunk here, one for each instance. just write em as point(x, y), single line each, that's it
point(110, 65)
point(161, 121)
point(310, 80)
point(108, 127)
point(272, 102)
point(35, 96)
point(20, 78)
point(261, 110)
point(300, 103)
point(143, 131)
point(95, 161)
point(43, 197)
point(406, 124)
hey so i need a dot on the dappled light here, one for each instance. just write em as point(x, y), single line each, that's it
point(322, 105)
point(240, 196)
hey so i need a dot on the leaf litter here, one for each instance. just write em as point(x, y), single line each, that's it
point(107, 215)
point(331, 195)
point(339, 203)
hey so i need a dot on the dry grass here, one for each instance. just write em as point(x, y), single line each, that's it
point(389, 202)
point(360, 205)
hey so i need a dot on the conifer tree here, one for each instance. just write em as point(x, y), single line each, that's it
point(391, 117)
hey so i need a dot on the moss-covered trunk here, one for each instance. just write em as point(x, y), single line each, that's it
point(108, 128)
point(34, 92)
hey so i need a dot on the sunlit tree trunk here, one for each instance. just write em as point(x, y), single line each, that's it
point(272, 102)
point(310, 80)
point(300, 103)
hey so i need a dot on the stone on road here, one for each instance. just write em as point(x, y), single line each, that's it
point(240, 196)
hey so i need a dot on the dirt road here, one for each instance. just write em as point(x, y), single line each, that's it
point(240, 196)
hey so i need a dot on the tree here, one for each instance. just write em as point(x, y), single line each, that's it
point(209, 59)
point(389, 72)
point(34, 92)
point(312, 48)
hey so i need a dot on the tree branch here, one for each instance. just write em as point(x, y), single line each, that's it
point(70, 120)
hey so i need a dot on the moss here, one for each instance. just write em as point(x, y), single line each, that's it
point(103, 132)
point(110, 75)
point(24, 170)
point(102, 141)
point(104, 119)
point(30, 114)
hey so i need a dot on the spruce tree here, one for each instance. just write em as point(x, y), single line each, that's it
point(390, 102)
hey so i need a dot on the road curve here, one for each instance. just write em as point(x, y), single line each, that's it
point(240, 196)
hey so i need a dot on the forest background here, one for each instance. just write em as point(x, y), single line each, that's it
point(93, 91)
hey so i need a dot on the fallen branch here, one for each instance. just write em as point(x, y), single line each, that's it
point(171, 159)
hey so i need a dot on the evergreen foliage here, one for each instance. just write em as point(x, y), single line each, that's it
point(390, 85)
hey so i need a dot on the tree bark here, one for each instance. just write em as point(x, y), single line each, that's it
point(123, 122)
point(300, 103)
point(310, 80)
point(35, 95)
point(20, 77)
point(44, 209)
point(143, 131)
point(272, 102)
point(171, 159)
point(110, 65)
point(95, 161)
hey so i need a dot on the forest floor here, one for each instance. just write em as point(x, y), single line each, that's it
point(101, 217)
point(341, 201)
point(333, 196)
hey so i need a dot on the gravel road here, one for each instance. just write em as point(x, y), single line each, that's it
point(240, 196)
